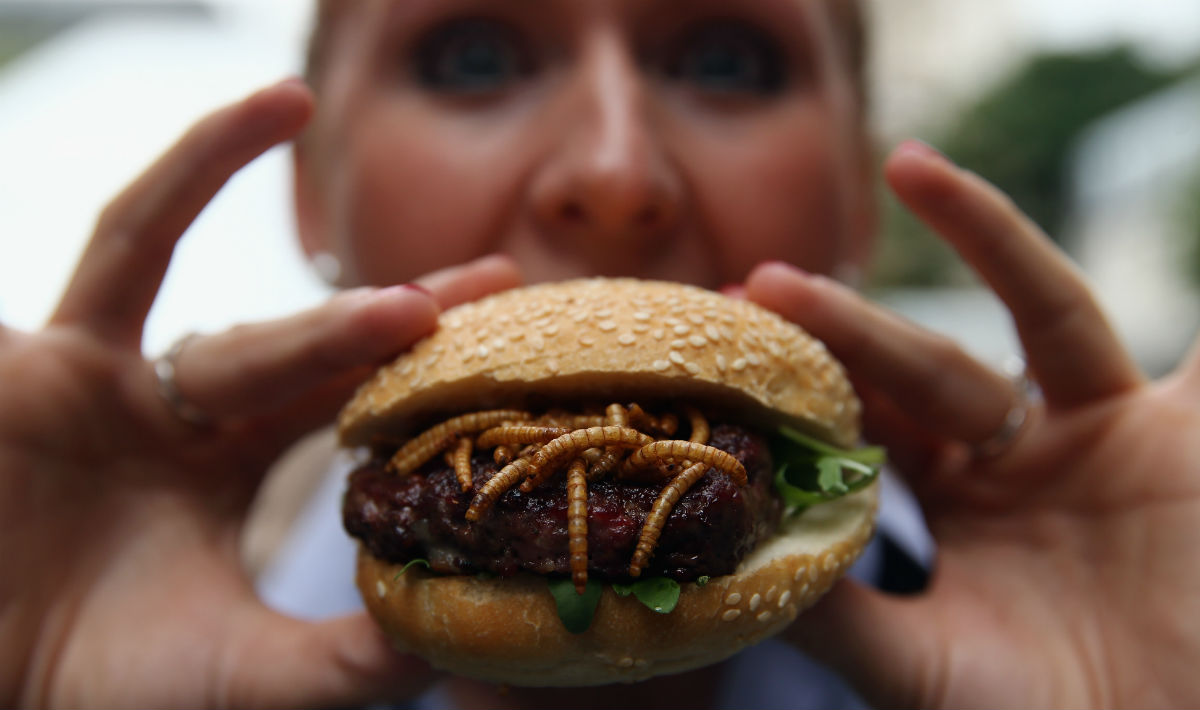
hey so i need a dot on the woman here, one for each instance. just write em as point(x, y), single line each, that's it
point(698, 142)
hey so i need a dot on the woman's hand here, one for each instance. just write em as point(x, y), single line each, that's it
point(119, 521)
point(1068, 568)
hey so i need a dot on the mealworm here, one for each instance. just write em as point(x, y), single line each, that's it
point(508, 435)
point(666, 425)
point(502, 455)
point(657, 518)
point(462, 464)
point(550, 456)
point(700, 430)
point(615, 415)
point(684, 451)
point(490, 492)
point(425, 446)
point(577, 522)
point(570, 421)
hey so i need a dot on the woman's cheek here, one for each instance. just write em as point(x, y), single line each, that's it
point(409, 213)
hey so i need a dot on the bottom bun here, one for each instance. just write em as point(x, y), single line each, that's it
point(508, 630)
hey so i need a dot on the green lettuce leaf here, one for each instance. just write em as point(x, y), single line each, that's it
point(810, 472)
point(659, 594)
point(576, 610)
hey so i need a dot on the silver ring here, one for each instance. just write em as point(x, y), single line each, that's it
point(168, 389)
point(1025, 395)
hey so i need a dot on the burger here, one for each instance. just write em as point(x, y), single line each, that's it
point(603, 480)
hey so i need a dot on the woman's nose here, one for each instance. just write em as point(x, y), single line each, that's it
point(607, 176)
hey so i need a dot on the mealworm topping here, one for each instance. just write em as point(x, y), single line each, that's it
point(589, 446)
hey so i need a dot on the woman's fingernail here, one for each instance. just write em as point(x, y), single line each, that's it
point(418, 288)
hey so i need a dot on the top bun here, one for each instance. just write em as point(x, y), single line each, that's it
point(610, 339)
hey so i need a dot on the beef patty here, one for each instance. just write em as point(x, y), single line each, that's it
point(712, 527)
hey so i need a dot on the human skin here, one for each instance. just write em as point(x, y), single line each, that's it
point(1067, 568)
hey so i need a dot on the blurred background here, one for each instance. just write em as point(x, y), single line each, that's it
point(1086, 112)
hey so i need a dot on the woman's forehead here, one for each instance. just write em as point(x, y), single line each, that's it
point(794, 11)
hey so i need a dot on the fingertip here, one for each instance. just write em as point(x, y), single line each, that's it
point(780, 286)
point(471, 281)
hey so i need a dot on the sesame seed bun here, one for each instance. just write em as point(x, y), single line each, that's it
point(508, 630)
point(613, 340)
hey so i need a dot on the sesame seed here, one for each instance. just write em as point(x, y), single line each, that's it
point(658, 333)
point(606, 326)
point(380, 589)
point(641, 328)
point(661, 365)
point(552, 365)
point(771, 593)
point(682, 329)
point(431, 360)
point(641, 315)
point(696, 318)
point(692, 368)
point(813, 574)
point(721, 363)
point(538, 344)
point(498, 344)
point(698, 341)
point(551, 331)
point(676, 358)
point(482, 351)
point(711, 331)
point(406, 368)
point(733, 598)
point(604, 313)
point(785, 598)
point(587, 341)
point(625, 662)
point(764, 617)
point(626, 338)
point(731, 614)
point(679, 344)
point(739, 364)
point(755, 602)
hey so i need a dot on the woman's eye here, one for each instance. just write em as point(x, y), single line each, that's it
point(727, 57)
point(471, 56)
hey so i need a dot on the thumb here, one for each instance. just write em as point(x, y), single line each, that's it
point(877, 642)
point(343, 662)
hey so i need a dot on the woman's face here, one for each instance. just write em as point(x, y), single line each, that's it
point(674, 139)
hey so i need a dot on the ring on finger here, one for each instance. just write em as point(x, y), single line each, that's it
point(1024, 396)
point(168, 388)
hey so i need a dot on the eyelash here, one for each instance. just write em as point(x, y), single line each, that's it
point(753, 61)
point(442, 60)
point(479, 56)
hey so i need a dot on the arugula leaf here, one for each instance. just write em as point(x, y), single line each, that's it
point(574, 609)
point(659, 594)
point(810, 472)
point(404, 569)
point(703, 580)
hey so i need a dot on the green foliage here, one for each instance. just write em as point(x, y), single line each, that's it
point(1189, 220)
point(1019, 135)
